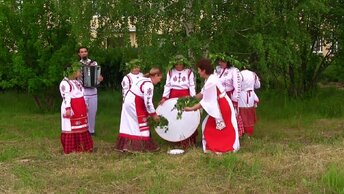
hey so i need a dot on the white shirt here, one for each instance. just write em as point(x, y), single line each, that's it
point(179, 80)
point(128, 81)
point(209, 101)
point(231, 80)
point(69, 90)
point(248, 97)
point(144, 88)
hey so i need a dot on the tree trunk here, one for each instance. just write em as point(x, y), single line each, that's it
point(292, 85)
point(189, 26)
point(38, 102)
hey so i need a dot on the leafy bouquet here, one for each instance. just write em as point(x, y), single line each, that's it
point(163, 123)
point(182, 103)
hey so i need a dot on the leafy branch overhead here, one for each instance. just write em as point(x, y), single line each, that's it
point(289, 44)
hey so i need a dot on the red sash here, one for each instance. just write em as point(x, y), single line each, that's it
point(174, 93)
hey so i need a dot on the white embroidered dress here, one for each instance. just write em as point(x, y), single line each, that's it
point(183, 80)
point(231, 81)
point(137, 106)
point(248, 97)
point(128, 81)
point(215, 102)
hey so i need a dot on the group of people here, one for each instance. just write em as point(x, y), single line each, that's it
point(227, 97)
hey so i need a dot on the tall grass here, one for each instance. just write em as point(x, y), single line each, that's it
point(326, 103)
point(14, 103)
point(334, 179)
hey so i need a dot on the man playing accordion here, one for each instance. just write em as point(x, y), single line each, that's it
point(90, 93)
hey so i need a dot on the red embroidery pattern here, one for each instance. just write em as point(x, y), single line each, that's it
point(149, 92)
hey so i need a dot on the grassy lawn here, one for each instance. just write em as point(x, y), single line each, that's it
point(298, 147)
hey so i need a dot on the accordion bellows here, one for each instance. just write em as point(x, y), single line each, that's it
point(90, 75)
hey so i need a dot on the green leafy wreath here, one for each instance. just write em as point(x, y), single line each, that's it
point(179, 59)
point(230, 59)
point(134, 63)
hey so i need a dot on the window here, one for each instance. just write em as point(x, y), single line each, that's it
point(334, 47)
point(318, 46)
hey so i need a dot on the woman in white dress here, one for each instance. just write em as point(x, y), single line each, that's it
point(75, 136)
point(220, 132)
point(134, 132)
point(135, 73)
point(248, 100)
point(180, 82)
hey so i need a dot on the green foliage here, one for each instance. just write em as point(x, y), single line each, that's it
point(38, 42)
point(184, 102)
point(178, 59)
point(276, 37)
point(335, 72)
point(285, 42)
point(229, 59)
point(162, 123)
point(133, 63)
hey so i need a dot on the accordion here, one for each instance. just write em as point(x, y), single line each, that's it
point(90, 76)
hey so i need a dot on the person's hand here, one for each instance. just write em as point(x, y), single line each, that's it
point(188, 109)
point(156, 118)
point(185, 97)
point(235, 104)
point(162, 101)
point(236, 107)
point(100, 78)
point(68, 113)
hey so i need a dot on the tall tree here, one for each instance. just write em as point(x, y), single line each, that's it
point(287, 35)
point(279, 38)
point(37, 43)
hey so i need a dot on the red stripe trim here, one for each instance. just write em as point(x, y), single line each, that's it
point(78, 131)
point(143, 84)
point(190, 71)
point(70, 85)
point(144, 129)
point(152, 114)
point(133, 137)
point(129, 81)
point(222, 72)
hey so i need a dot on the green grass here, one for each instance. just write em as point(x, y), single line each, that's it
point(298, 147)
point(334, 179)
